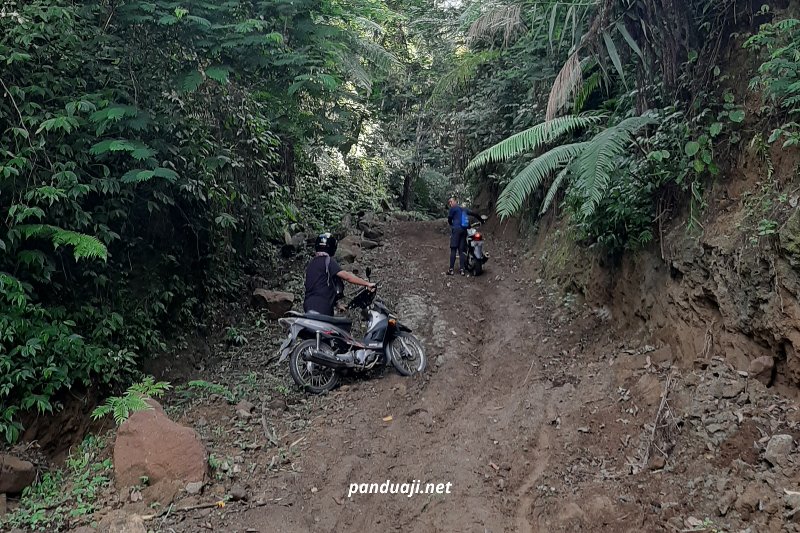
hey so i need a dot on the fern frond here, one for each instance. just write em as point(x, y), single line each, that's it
point(553, 190)
point(565, 86)
point(85, 246)
point(461, 74)
point(505, 18)
point(594, 167)
point(532, 176)
point(533, 138)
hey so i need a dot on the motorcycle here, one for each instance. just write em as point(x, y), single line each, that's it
point(476, 257)
point(320, 348)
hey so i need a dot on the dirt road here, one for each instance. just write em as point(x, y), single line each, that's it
point(536, 416)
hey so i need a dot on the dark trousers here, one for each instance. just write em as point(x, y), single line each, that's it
point(458, 243)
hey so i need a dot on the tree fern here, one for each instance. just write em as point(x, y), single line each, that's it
point(532, 176)
point(533, 138)
point(594, 166)
point(84, 246)
point(553, 190)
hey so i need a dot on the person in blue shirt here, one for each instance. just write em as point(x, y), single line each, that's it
point(458, 218)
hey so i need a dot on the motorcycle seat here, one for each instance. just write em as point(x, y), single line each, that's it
point(334, 320)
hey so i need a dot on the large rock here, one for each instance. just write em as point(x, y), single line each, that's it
point(349, 250)
point(151, 445)
point(762, 369)
point(276, 303)
point(121, 522)
point(15, 474)
point(778, 449)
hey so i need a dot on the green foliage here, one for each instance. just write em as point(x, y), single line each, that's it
point(149, 153)
point(134, 399)
point(61, 496)
point(778, 44)
point(205, 389)
point(589, 163)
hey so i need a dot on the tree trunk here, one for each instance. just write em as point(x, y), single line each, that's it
point(407, 200)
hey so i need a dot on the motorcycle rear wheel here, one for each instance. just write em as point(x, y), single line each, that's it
point(407, 354)
point(312, 377)
point(477, 267)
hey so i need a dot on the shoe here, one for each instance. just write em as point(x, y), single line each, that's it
point(462, 272)
point(450, 272)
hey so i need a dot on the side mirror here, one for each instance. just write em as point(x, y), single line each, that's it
point(369, 272)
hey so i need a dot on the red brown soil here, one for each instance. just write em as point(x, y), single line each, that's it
point(532, 407)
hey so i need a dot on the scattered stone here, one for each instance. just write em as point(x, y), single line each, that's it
point(15, 474)
point(194, 488)
point(762, 369)
point(791, 499)
point(373, 233)
point(3, 505)
point(726, 501)
point(778, 449)
point(657, 462)
point(732, 390)
point(151, 445)
point(276, 303)
point(349, 249)
point(121, 522)
point(238, 493)
point(747, 503)
point(244, 409)
point(367, 244)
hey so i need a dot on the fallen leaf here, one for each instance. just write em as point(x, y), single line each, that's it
point(387, 418)
point(583, 429)
point(494, 466)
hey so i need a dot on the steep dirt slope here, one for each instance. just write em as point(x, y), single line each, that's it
point(540, 418)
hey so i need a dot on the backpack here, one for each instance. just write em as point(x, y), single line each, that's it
point(338, 284)
point(464, 218)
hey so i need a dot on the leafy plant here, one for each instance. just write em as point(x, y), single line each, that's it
point(62, 495)
point(134, 399)
point(588, 164)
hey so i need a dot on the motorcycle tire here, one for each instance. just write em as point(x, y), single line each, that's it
point(477, 268)
point(407, 354)
point(311, 377)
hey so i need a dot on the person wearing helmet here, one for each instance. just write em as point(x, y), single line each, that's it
point(458, 218)
point(324, 277)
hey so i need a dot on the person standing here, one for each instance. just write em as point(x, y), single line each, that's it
point(458, 218)
point(322, 278)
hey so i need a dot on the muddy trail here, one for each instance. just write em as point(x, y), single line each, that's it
point(538, 414)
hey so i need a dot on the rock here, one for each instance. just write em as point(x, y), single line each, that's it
point(3, 505)
point(372, 233)
point(151, 445)
point(15, 474)
point(349, 250)
point(368, 217)
point(726, 501)
point(748, 501)
point(276, 303)
point(789, 237)
point(733, 389)
point(778, 449)
point(762, 369)
point(121, 522)
point(244, 409)
point(791, 499)
point(238, 493)
point(194, 488)
point(657, 462)
point(367, 244)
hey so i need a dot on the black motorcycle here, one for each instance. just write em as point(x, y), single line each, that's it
point(320, 347)
point(476, 256)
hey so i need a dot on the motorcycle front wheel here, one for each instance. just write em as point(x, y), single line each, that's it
point(407, 354)
point(312, 377)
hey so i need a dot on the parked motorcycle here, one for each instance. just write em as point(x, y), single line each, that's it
point(320, 347)
point(476, 256)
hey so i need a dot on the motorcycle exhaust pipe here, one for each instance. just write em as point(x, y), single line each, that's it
point(327, 360)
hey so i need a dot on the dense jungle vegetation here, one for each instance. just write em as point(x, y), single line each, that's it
point(154, 152)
